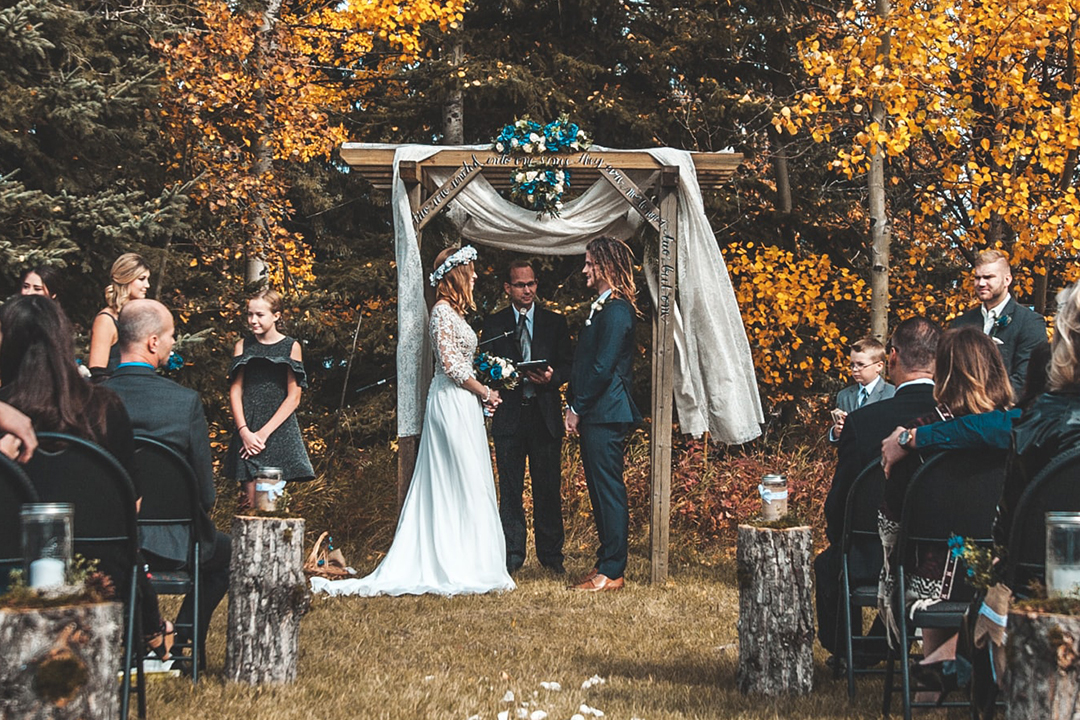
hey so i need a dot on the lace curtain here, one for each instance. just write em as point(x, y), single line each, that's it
point(715, 386)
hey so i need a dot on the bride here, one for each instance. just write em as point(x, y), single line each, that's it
point(449, 540)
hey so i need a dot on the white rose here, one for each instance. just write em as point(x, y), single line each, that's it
point(530, 176)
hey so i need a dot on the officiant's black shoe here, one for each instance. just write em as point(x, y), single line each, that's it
point(599, 583)
point(555, 568)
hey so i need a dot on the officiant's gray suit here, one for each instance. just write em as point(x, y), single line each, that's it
point(600, 393)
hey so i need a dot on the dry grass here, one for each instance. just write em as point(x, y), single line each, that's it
point(665, 652)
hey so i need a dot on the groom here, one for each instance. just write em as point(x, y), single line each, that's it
point(600, 408)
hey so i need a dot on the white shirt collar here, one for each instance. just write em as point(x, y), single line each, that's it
point(870, 386)
point(997, 309)
point(604, 294)
point(916, 381)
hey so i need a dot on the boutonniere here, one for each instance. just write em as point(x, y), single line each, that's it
point(596, 307)
point(1001, 323)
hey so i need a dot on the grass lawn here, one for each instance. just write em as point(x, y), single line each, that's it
point(664, 652)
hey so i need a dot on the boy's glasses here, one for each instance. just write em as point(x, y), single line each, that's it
point(863, 366)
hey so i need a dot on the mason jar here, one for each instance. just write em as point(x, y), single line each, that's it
point(773, 489)
point(46, 542)
point(1062, 554)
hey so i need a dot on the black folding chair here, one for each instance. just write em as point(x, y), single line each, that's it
point(1055, 489)
point(15, 490)
point(862, 544)
point(953, 492)
point(68, 469)
point(170, 504)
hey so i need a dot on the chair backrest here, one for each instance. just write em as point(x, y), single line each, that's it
point(953, 492)
point(68, 469)
point(1055, 488)
point(170, 488)
point(15, 490)
point(863, 501)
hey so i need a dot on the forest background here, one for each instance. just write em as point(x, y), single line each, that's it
point(885, 146)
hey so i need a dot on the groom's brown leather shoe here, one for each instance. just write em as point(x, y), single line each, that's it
point(599, 583)
point(584, 578)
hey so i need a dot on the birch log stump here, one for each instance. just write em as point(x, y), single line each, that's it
point(61, 662)
point(776, 611)
point(268, 594)
point(1042, 673)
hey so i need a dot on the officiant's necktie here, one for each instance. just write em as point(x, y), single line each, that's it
point(525, 343)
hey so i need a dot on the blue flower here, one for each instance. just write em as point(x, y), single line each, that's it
point(956, 546)
point(175, 362)
point(496, 372)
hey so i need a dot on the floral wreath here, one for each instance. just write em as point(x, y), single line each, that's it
point(463, 256)
point(538, 185)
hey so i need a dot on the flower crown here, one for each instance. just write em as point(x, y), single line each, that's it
point(463, 256)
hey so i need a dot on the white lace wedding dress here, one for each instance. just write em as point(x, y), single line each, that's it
point(449, 539)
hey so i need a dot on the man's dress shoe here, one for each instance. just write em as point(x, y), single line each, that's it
point(599, 583)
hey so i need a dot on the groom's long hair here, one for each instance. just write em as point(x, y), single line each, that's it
point(614, 262)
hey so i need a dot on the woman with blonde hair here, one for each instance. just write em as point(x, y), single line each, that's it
point(449, 538)
point(130, 280)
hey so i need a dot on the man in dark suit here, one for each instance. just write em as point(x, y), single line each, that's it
point(600, 406)
point(161, 409)
point(911, 366)
point(1015, 329)
point(528, 424)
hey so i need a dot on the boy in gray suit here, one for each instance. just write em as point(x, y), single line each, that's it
point(867, 362)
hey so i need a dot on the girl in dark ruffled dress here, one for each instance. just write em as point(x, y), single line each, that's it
point(266, 377)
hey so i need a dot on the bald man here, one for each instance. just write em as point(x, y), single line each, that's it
point(170, 413)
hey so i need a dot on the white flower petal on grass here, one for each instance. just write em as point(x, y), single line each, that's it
point(522, 714)
point(474, 717)
point(552, 686)
point(509, 696)
point(538, 715)
point(595, 679)
point(504, 715)
point(577, 716)
point(429, 678)
point(586, 710)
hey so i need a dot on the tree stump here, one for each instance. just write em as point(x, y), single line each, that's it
point(61, 662)
point(268, 594)
point(1042, 672)
point(776, 611)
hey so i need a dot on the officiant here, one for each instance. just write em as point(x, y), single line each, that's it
point(528, 426)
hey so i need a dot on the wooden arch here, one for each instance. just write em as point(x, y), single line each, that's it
point(426, 199)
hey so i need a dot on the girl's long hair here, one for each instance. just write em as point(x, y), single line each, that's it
point(455, 287)
point(124, 271)
point(38, 372)
point(613, 261)
point(969, 375)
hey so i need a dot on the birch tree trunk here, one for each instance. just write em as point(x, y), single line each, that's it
point(453, 106)
point(880, 224)
point(61, 662)
point(776, 611)
point(268, 594)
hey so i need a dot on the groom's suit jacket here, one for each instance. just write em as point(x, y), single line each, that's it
point(551, 342)
point(1016, 338)
point(600, 382)
point(173, 414)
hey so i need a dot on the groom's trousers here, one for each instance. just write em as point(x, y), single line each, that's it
point(532, 441)
point(602, 448)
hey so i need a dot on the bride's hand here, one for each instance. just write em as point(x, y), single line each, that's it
point(493, 400)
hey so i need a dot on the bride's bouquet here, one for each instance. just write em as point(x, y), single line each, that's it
point(496, 372)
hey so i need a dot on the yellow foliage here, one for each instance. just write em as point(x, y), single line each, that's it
point(243, 96)
point(977, 95)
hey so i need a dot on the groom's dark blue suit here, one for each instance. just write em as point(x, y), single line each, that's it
point(600, 383)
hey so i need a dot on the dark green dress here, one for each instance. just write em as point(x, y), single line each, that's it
point(266, 374)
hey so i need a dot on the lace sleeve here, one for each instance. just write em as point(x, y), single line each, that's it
point(451, 351)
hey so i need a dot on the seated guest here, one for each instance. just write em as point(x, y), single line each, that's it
point(979, 431)
point(969, 377)
point(161, 409)
point(39, 377)
point(867, 362)
point(911, 366)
